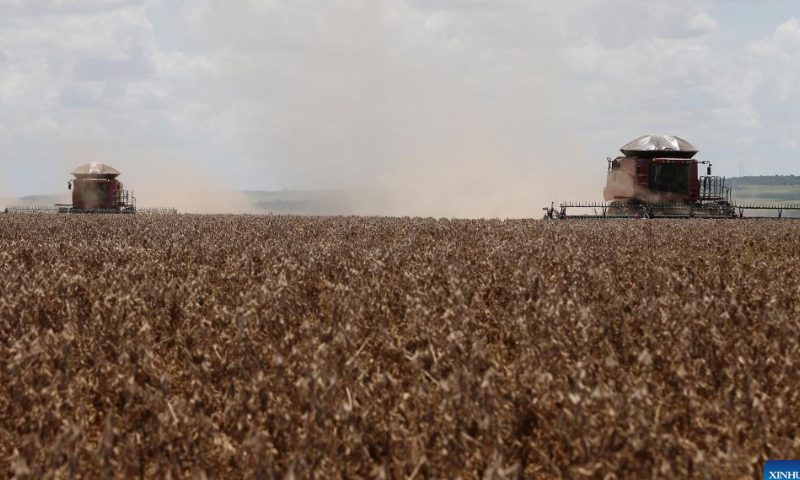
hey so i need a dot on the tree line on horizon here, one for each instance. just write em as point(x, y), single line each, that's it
point(765, 180)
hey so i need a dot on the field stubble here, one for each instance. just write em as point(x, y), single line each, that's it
point(286, 347)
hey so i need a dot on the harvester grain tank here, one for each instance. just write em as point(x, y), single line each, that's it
point(658, 176)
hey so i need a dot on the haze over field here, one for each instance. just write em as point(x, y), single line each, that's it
point(412, 107)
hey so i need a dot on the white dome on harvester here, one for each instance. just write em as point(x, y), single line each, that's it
point(656, 146)
point(96, 169)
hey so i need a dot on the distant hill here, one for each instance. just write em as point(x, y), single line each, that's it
point(36, 200)
point(301, 202)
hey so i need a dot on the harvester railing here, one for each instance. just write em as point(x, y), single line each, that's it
point(125, 199)
point(713, 188)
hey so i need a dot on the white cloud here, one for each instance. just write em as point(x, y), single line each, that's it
point(702, 23)
point(12, 86)
point(783, 45)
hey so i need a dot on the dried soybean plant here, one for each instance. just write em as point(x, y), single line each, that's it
point(287, 347)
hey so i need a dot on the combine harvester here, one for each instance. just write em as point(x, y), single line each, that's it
point(95, 189)
point(657, 177)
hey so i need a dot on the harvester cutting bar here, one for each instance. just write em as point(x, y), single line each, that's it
point(584, 205)
point(113, 211)
point(31, 209)
point(157, 211)
point(642, 210)
point(602, 210)
point(766, 206)
point(43, 209)
point(601, 217)
point(708, 210)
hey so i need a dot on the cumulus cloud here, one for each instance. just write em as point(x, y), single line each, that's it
point(785, 43)
point(702, 23)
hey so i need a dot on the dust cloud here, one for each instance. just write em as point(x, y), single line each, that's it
point(400, 107)
point(160, 183)
point(411, 109)
point(160, 180)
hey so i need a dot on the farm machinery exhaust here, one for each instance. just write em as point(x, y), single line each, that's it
point(95, 189)
point(657, 177)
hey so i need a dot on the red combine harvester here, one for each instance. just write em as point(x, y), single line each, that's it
point(657, 177)
point(95, 189)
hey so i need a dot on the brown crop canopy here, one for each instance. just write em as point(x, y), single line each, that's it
point(96, 170)
point(659, 146)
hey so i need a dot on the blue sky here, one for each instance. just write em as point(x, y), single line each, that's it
point(466, 107)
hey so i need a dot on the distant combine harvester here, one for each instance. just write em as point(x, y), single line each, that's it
point(95, 189)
